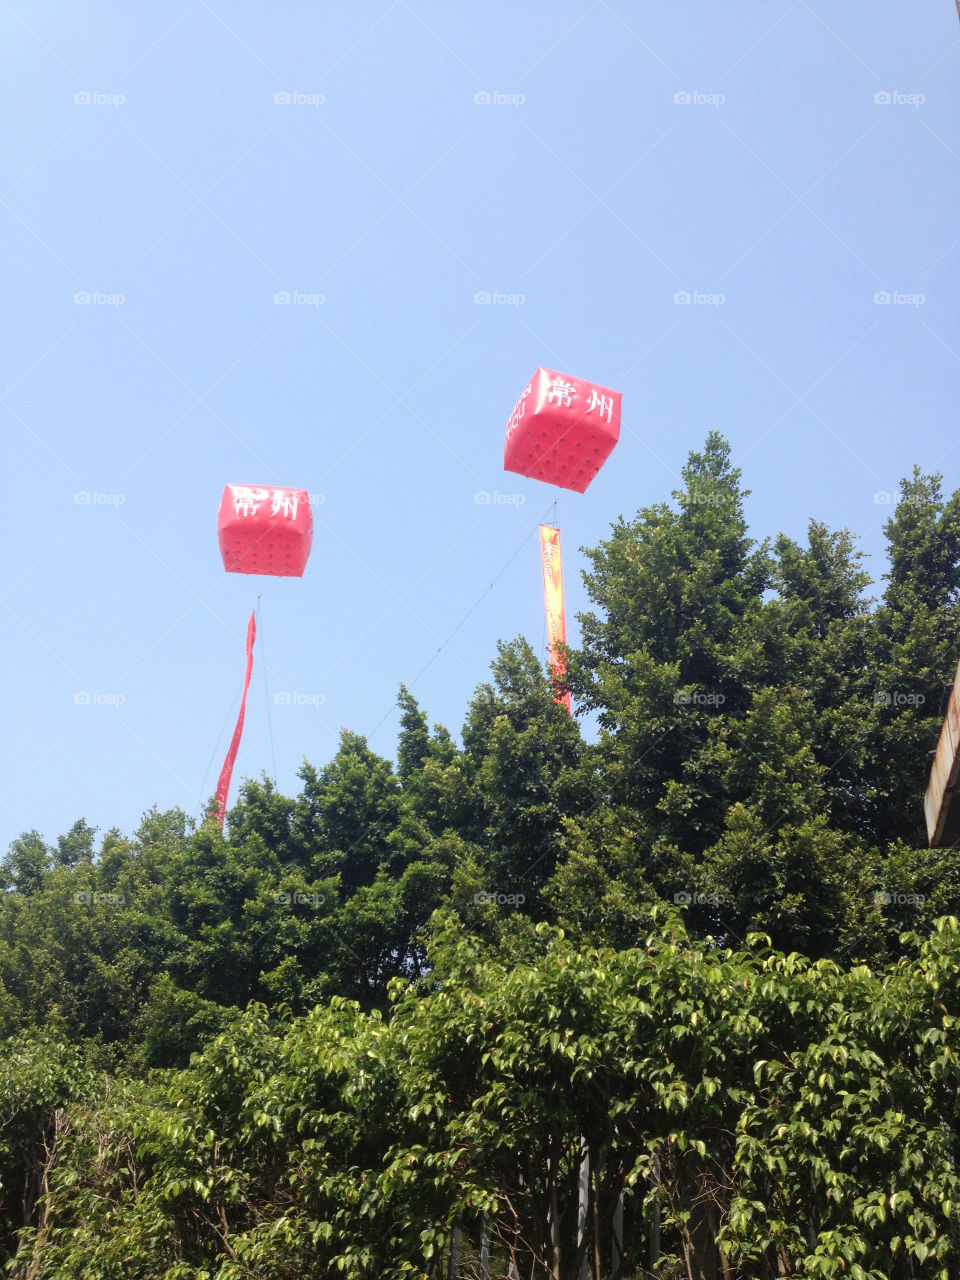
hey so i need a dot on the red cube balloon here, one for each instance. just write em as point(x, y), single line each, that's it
point(562, 430)
point(263, 530)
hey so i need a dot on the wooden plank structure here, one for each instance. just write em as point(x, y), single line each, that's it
point(940, 804)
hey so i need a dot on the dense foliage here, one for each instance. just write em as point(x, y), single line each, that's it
point(415, 989)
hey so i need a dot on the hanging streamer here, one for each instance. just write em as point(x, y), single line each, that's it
point(223, 786)
point(553, 600)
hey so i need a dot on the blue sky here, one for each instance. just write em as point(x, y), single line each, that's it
point(781, 163)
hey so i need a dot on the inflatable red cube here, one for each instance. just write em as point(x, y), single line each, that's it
point(562, 430)
point(263, 530)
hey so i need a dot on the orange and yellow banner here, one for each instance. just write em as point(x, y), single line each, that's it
point(226, 773)
point(553, 599)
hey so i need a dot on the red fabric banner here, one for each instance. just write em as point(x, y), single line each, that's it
point(553, 600)
point(223, 786)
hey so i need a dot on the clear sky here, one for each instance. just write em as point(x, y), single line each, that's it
point(782, 163)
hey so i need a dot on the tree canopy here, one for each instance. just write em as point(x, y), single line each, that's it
point(705, 947)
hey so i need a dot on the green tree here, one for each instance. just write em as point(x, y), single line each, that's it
point(520, 765)
point(763, 731)
point(26, 862)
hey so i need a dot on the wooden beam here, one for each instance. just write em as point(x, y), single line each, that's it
point(942, 814)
